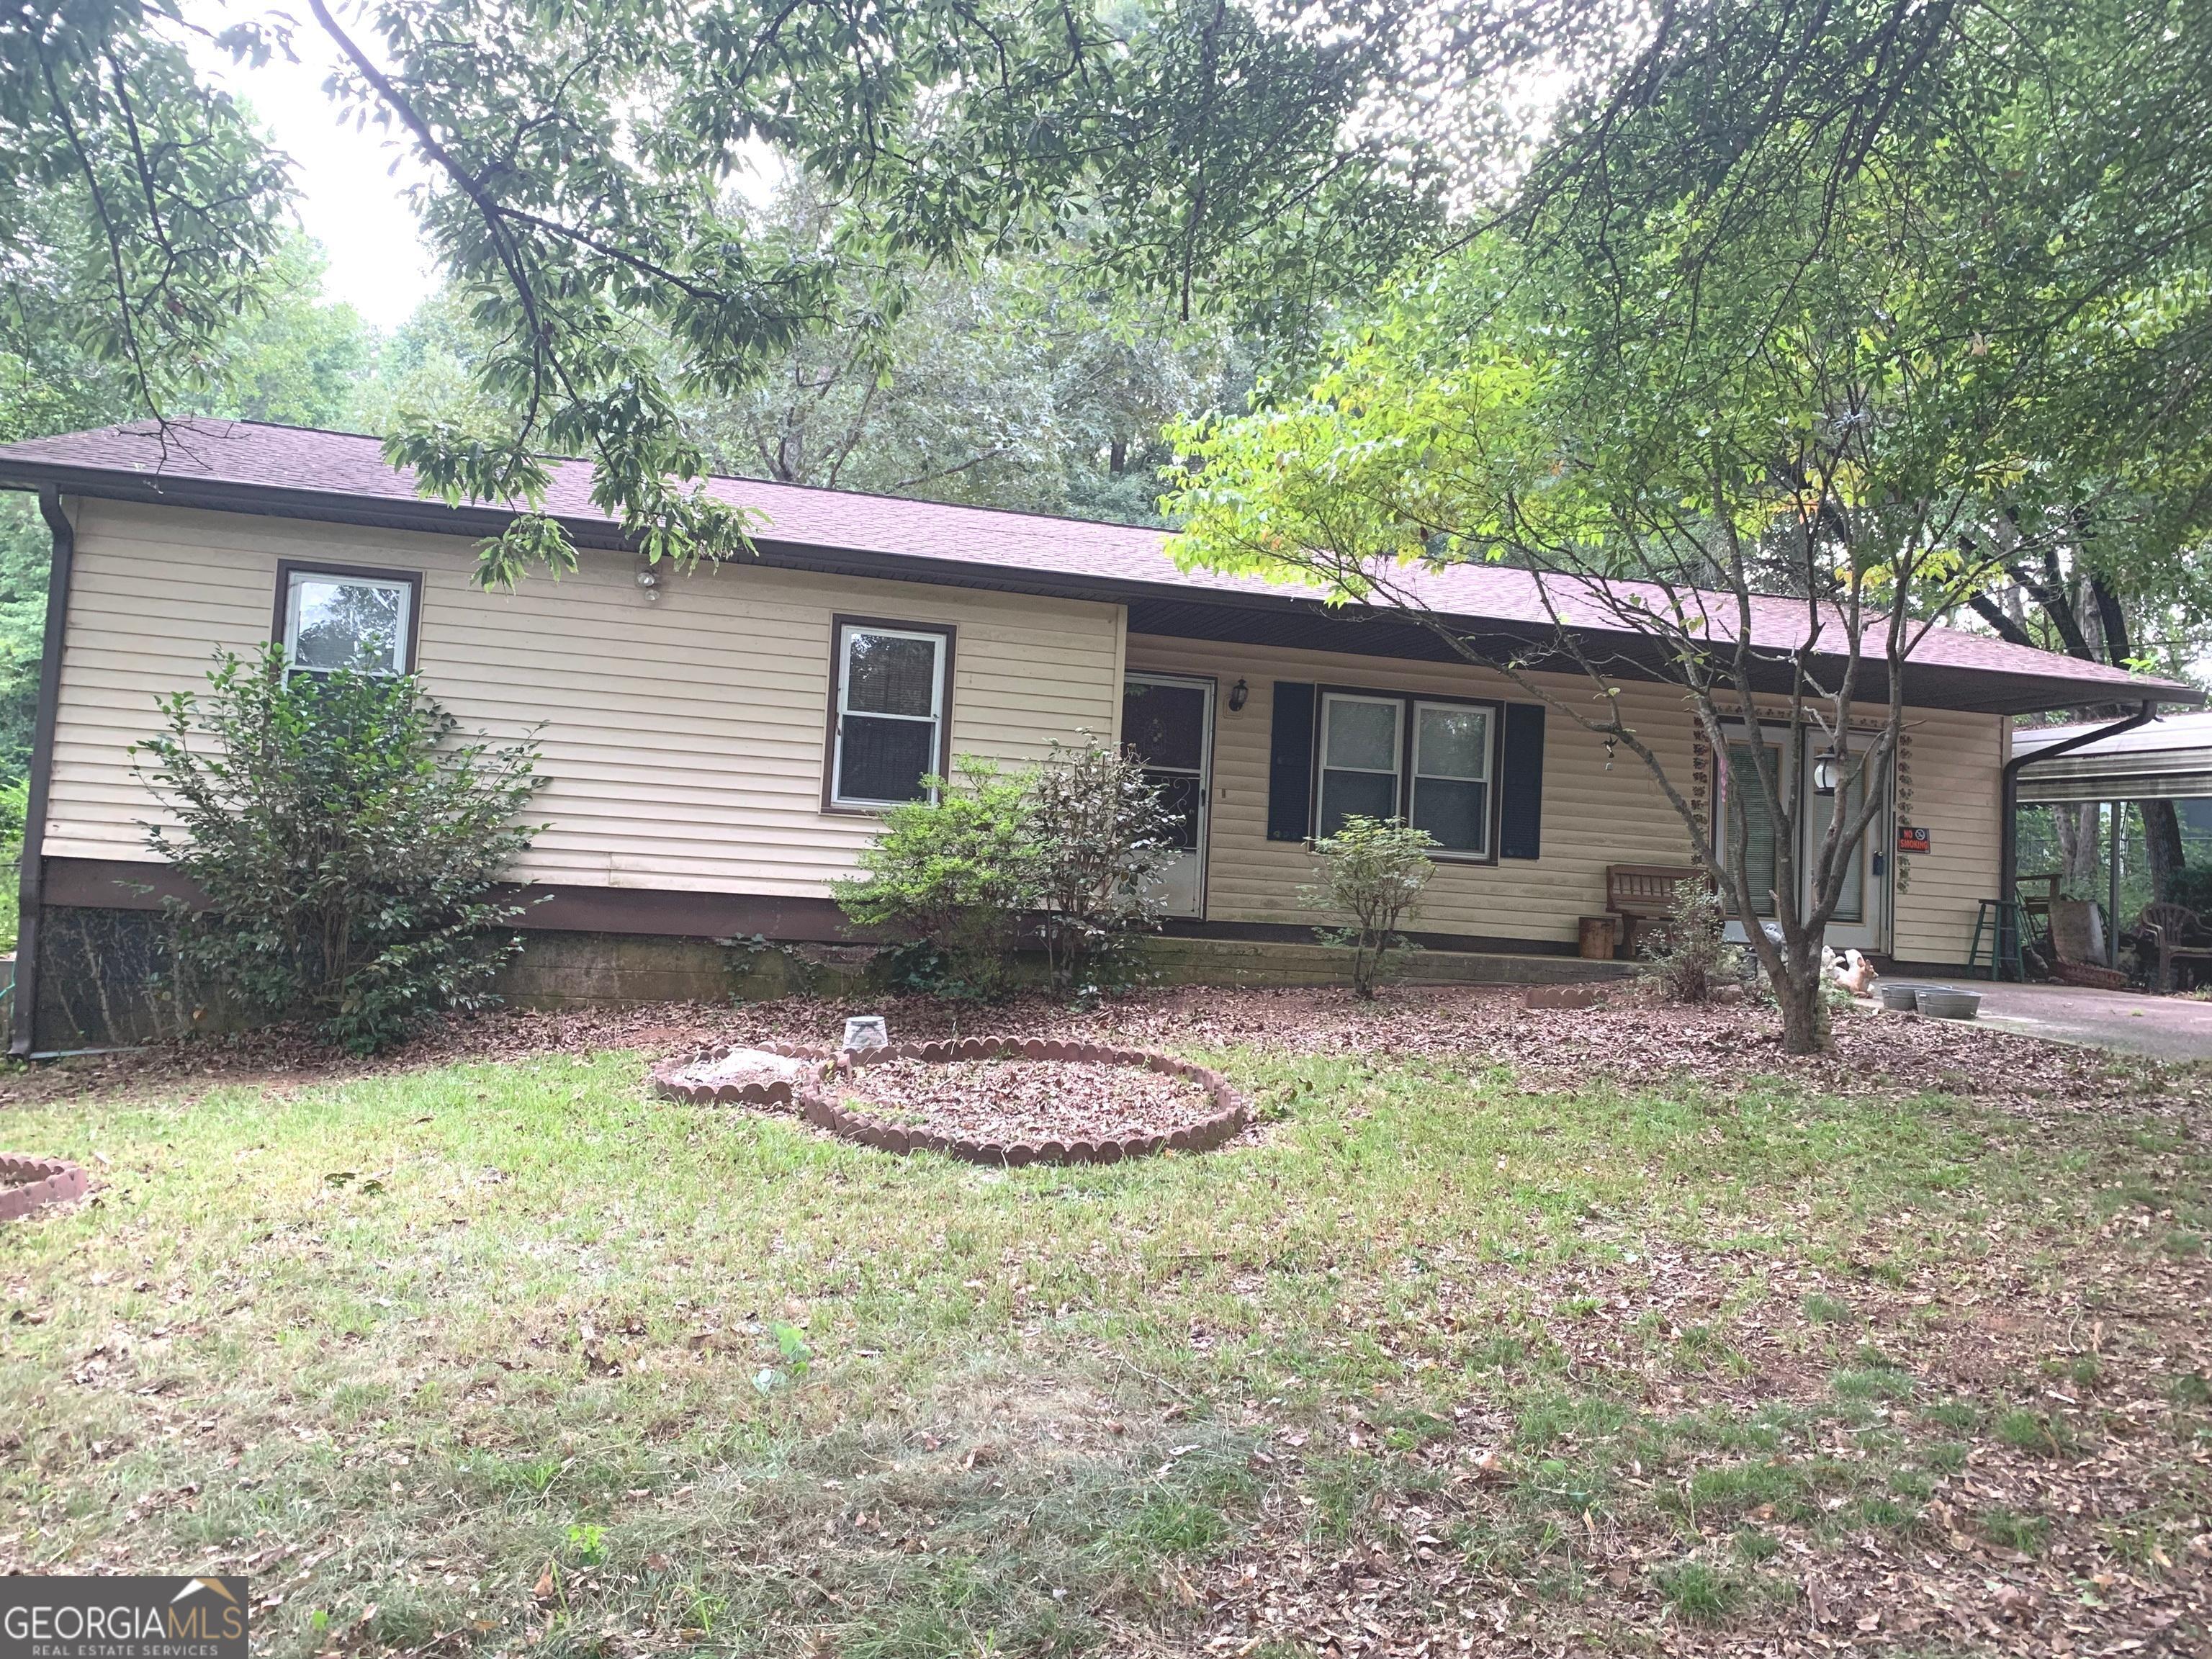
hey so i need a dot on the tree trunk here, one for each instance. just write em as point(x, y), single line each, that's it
point(1803, 1001)
point(2162, 833)
point(2081, 867)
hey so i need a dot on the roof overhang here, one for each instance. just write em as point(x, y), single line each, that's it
point(1282, 618)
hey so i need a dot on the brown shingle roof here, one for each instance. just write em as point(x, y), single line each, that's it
point(247, 464)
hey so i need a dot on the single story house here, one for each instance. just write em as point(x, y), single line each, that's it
point(719, 744)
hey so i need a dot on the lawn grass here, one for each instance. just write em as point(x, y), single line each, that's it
point(497, 1355)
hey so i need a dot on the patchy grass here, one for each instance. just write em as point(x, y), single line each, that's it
point(498, 1354)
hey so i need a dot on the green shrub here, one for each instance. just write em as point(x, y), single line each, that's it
point(952, 878)
point(1073, 849)
point(1099, 837)
point(346, 844)
point(2192, 886)
point(1688, 957)
point(1373, 872)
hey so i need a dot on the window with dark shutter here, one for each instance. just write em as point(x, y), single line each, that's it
point(1290, 762)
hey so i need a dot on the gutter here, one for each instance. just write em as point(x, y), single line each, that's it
point(2008, 830)
point(34, 871)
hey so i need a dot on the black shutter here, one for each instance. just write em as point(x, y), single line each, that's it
point(1521, 782)
point(1290, 762)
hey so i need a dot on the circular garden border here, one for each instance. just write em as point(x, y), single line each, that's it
point(44, 1181)
point(818, 1104)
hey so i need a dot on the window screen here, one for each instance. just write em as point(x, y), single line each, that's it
point(358, 623)
point(890, 715)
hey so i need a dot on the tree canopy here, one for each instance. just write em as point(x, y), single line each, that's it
point(1870, 305)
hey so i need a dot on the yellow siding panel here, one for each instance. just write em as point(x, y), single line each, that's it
point(682, 739)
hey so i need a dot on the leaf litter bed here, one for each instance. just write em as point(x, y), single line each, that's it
point(1029, 1100)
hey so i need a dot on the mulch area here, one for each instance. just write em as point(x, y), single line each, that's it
point(1007, 1101)
point(1633, 1040)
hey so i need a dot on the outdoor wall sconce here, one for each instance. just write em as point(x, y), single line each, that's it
point(1237, 693)
point(1823, 773)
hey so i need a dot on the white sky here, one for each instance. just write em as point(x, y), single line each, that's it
point(349, 199)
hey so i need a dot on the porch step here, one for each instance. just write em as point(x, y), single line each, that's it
point(1184, 961)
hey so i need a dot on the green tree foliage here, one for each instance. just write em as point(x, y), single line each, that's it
point(581, 157)
point(138, 210)
point(286, 355)
point(1373, 873)
point(347, 841)
point(1798, 308)
point(1014, 381)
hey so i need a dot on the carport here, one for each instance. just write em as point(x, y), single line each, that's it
point(2169, 758)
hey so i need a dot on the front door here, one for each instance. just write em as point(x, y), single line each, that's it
point(1167, 724)
point(1862, 908)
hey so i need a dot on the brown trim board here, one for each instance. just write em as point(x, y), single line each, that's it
point(133, 884)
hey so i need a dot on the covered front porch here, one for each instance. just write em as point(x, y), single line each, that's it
point(1263, 745)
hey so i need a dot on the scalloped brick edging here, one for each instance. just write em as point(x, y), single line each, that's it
point(821, 1108)
point(46, 1181)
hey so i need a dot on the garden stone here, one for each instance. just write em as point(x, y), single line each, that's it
point(865, 1031)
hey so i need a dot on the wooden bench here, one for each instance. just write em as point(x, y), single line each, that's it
point(1643, 894)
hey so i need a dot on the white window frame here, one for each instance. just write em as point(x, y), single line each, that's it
point(939, 644)
point(405, 586)
point(1396, 772)
point(1487, 778)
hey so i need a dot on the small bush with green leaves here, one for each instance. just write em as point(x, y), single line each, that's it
point(1075, 848)
point(1689, 957)
point(1373, 872)
point(951, 876)
point(1100, 836)
point(346, 840)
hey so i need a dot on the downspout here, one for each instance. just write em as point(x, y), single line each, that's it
point(2008, 830)
point(34, 871)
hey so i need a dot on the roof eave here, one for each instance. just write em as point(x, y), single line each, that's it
point(1994, 692)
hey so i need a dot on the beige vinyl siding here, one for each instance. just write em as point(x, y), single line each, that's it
point(1955, 764)
point(1592, 815)
point(682, 738)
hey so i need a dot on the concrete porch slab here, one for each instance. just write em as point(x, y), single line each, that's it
point(1184, 960)
point(2127, 1022)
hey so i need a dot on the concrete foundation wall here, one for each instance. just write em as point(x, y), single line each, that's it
point(109, 978)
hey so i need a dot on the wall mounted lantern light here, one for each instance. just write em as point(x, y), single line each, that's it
point(1823, 773)
point(1237, 693)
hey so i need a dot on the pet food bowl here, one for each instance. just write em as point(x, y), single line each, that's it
point(1948, 1002)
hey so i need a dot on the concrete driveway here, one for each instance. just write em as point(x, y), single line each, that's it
point(2165, 1028)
